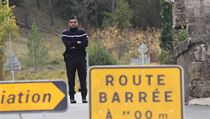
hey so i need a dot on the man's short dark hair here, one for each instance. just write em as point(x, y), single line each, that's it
point(73, 17)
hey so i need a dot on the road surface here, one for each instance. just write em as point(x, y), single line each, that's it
point(80, 111)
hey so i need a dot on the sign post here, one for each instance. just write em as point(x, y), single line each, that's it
point(150, 92)
point(142, 50)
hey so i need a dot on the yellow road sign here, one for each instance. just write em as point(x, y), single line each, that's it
point(151, 92)
point(33, 96)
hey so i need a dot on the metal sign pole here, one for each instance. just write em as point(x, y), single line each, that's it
point(44, 115)
point(12, 66)
point(142, 58)
point(20, 116)
point(11, 59)
point(142, 50)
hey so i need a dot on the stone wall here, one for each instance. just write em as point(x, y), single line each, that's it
point(179, 16)
point(194, 53)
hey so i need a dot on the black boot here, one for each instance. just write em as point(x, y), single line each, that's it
point(84, 100)
point(72, 100)
point(84, 94)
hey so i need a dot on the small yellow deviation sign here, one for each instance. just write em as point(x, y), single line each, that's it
point(33, 96)
point(124, 92)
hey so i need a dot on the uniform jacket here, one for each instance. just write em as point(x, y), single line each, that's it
point(70, 38)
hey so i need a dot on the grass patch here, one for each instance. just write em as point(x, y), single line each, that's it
point(44, 74)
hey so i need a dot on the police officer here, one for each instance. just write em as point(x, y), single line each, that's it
point(75, 41)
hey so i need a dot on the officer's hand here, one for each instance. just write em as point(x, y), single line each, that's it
point(78, 42)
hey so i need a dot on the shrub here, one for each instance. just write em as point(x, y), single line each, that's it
point(99, 56)
point(181, 36)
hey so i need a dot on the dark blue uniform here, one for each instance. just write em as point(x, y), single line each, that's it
point(76, 41)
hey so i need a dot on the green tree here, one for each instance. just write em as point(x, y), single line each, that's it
point(180, 36)
point(4, 2)
point(146, 13)
point(99, 55)
point(121, 16)
point(37, 50)
point(166, 38)
point(7, 27)
point(92, 12)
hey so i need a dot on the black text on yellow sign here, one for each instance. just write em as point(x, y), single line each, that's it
point(33, 96)
point(136, 92)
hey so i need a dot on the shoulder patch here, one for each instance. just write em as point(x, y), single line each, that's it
point(81, 29)
point(65, 30)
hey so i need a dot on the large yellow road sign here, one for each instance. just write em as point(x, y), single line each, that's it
point(153, 92)
point(33, 96)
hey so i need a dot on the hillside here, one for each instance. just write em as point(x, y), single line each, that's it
point(120, 47)
point(51, 35)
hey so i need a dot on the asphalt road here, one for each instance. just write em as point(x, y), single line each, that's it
point(80, 111)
